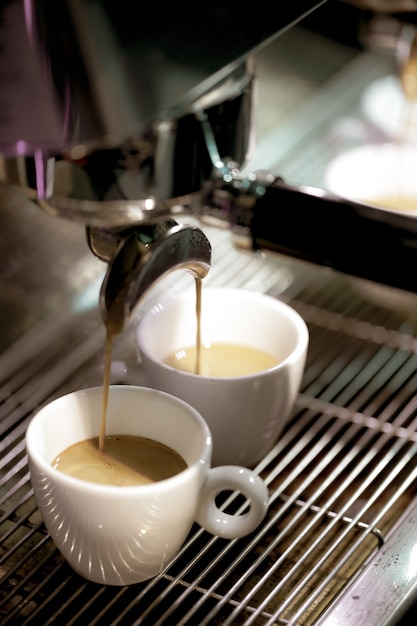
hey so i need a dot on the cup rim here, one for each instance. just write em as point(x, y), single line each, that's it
point(298, 321)
point(35, 455)
point(382, 151)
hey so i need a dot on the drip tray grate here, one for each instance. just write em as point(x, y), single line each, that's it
point(339, 479)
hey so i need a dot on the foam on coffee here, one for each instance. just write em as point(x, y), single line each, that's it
point(222, 360)
point(128, 460)
point(395, 202)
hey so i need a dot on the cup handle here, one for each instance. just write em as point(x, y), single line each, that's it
point(122, 372)
point(235, 478)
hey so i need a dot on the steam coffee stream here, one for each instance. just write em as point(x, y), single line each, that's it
point(108, 348)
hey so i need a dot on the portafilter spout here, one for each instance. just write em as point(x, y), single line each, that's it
point(140, 257)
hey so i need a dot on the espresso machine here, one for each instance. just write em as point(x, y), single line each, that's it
point(135, 134)
point(172, 119)
point(126, 132)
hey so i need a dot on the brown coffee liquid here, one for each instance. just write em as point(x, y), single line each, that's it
point(198, 289)
point(395, 202)
point(222, 360)
point(108, 347)
point(111, 332)
point(128, 460)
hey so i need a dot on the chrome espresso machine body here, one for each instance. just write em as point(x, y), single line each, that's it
point(128, 130)
point(133, 136)
point(129, 120)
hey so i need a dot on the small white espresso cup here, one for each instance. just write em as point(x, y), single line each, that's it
point(383, 175)
point(245, 414)
point(123, 535)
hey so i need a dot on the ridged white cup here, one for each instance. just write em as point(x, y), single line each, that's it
point(246, 414)
point(123, 535)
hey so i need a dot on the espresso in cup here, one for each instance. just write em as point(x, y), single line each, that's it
point(395, 202)
point(222, 360)
point(379, 174)
point(121, 535)
point(125, 461)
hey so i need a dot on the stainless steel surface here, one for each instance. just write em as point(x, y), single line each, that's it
point(342, 478)
point(391, 577)
point(96, 73)
point(80, 76)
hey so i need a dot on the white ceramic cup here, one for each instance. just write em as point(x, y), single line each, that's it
point(372, 172)
point(245, 414)
point(123, 535)
point(369, 173)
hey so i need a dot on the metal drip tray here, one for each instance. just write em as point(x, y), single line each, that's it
point(338, 544)
point(341, 477)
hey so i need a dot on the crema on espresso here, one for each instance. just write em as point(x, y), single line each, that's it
point(127, 460)
point(221, 360)
point(395, 202)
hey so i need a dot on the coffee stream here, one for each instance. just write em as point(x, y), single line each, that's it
point(111, 331)
point(198, 287)
point(108, 347)
point(106, 384)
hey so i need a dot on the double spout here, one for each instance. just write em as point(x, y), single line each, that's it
point(139, 259)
